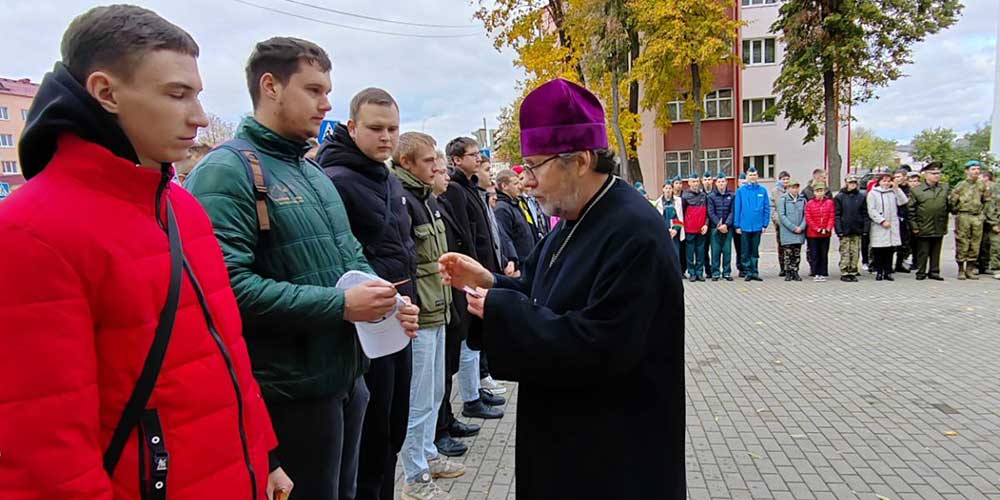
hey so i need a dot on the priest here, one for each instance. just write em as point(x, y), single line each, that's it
point(593, 329)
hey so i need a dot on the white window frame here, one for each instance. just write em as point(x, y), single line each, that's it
point(9, 168)
point(766, 165)
point(7, 141)
point(680, 158)
point(766, 103)
point(4, 113)
point(714, 160)
point(715, 97)
point(675, 110)
point(24, 114)
point(753, 47)
point(758, 3)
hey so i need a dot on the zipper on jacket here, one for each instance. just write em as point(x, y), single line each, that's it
point(160, 190)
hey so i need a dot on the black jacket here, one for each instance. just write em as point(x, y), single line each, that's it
point(459, 239)
point(851, 213)
point(374, 200)
point(469, 211)
point(511, 220)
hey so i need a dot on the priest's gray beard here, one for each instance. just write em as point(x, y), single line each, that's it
point(572, 198)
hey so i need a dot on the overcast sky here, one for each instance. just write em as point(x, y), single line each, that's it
point(446, 86)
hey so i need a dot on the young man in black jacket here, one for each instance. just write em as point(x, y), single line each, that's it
point(850, 223)
point(472, 214)
point(511, 216)
point(354, 159)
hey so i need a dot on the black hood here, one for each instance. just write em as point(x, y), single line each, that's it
point(63, 105)
point(341, 151)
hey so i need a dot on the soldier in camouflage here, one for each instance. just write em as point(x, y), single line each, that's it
point(992, 213)
point(967, 201)
point(985, 246)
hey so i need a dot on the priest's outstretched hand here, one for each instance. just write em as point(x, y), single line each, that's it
point(462, 271)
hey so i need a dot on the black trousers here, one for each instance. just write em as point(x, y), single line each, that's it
point(384, 430)
point(737, 238)
point(683, 254)
point(882, 259)
point(905, 250)
point(452, 352)
point(928, 249)
point(819, 256)
point(318, 443)
point(865, 248)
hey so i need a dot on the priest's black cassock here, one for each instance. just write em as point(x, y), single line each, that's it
point(596, 341)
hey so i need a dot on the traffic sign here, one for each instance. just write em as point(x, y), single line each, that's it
point(4, 190)
point(326, 129)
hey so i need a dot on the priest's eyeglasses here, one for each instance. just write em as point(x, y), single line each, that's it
point(531, 168)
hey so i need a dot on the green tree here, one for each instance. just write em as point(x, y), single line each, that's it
point(938, 144)
point(838, 52)
point(869, 151)
point(682, 40)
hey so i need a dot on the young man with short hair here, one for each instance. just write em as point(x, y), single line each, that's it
point(985, 246)
point(695, 205)
point(512, 215)
point(967, 201)
point(285, 252)
point(353, 156)
point(415, 166)
point(122, 351)
point(720, 216)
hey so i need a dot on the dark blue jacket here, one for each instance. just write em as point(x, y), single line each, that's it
point(720, 208)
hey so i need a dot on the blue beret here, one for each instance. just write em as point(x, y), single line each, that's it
point(752, 170)
point(722, 175)
point(973, 163)
point(743, 176)
point(708, 175)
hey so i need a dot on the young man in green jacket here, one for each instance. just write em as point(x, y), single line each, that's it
point(285, 252)
point(415, 165)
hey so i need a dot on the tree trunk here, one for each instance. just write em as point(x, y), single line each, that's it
point(633, 105)
point(831, 129)
point(699, 99)
point(617, 128)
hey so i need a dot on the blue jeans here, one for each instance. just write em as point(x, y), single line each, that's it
point(426, 392)
point(695, 254)
point(468, 374)
point(722, 250)
point(751, 252)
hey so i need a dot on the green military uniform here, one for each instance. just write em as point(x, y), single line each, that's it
point(992, 215)
point(967, 201)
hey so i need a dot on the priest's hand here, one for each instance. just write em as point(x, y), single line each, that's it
point(408, 316)
point(511, 271)
point(461, 271)
point(477, 303)
point(278, 485)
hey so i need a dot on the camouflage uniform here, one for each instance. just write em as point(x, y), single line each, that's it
point(967, 202)
point(992, 214)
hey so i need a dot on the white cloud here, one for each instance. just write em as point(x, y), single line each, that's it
point(446, 86)
point(949, 84)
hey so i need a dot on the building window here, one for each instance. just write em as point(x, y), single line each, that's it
point(747, 3)
point(763, 163)
point(6, 141)
point(753, 110)
point(718, 160)
point(679, 163)
point(759, 51)
point(675, 110)
point(3, 113)
point(9, 167)
point(24, 114)
point(719, 104)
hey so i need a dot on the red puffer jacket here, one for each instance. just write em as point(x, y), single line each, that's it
point(85, 275)
point(820, 214)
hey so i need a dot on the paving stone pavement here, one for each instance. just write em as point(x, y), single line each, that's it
point(826, 391)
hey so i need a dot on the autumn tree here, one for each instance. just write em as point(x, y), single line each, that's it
point(682, 40)
point(838, 52)
point(869, 151)
point(217, 131)
point(586, 41)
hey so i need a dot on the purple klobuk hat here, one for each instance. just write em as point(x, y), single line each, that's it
point(561, 117)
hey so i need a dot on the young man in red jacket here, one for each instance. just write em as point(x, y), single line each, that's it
point(124, 371)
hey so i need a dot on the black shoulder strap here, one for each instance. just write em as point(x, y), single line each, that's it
point(154, 358)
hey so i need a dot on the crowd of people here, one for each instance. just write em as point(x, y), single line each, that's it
point(895, 224)
point(169, 340)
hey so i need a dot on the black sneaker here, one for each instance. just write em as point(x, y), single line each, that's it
point(846, 279)
point(478, 409)
point(756, 278)
point(727, 278)
point(795, 276)
point(781, 273)
point(490, 399)
point(451, 447)
point(921, 277)
point(462, 429)
point(693, 278)
point(935, 277)
point(715, 278)
point(788, 277)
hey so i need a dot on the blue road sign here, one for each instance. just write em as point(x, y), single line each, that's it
point(326, 128)
point(4, 190)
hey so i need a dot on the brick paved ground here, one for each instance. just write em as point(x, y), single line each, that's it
point(823, 391)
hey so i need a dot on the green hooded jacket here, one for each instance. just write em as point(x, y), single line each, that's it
point(293, 317)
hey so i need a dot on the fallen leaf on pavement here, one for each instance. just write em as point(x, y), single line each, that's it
point(950, 433)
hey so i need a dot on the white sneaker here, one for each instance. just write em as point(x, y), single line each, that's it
point(492, 385)
point(424, 489)
point(817, 279)
point(443, 468)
